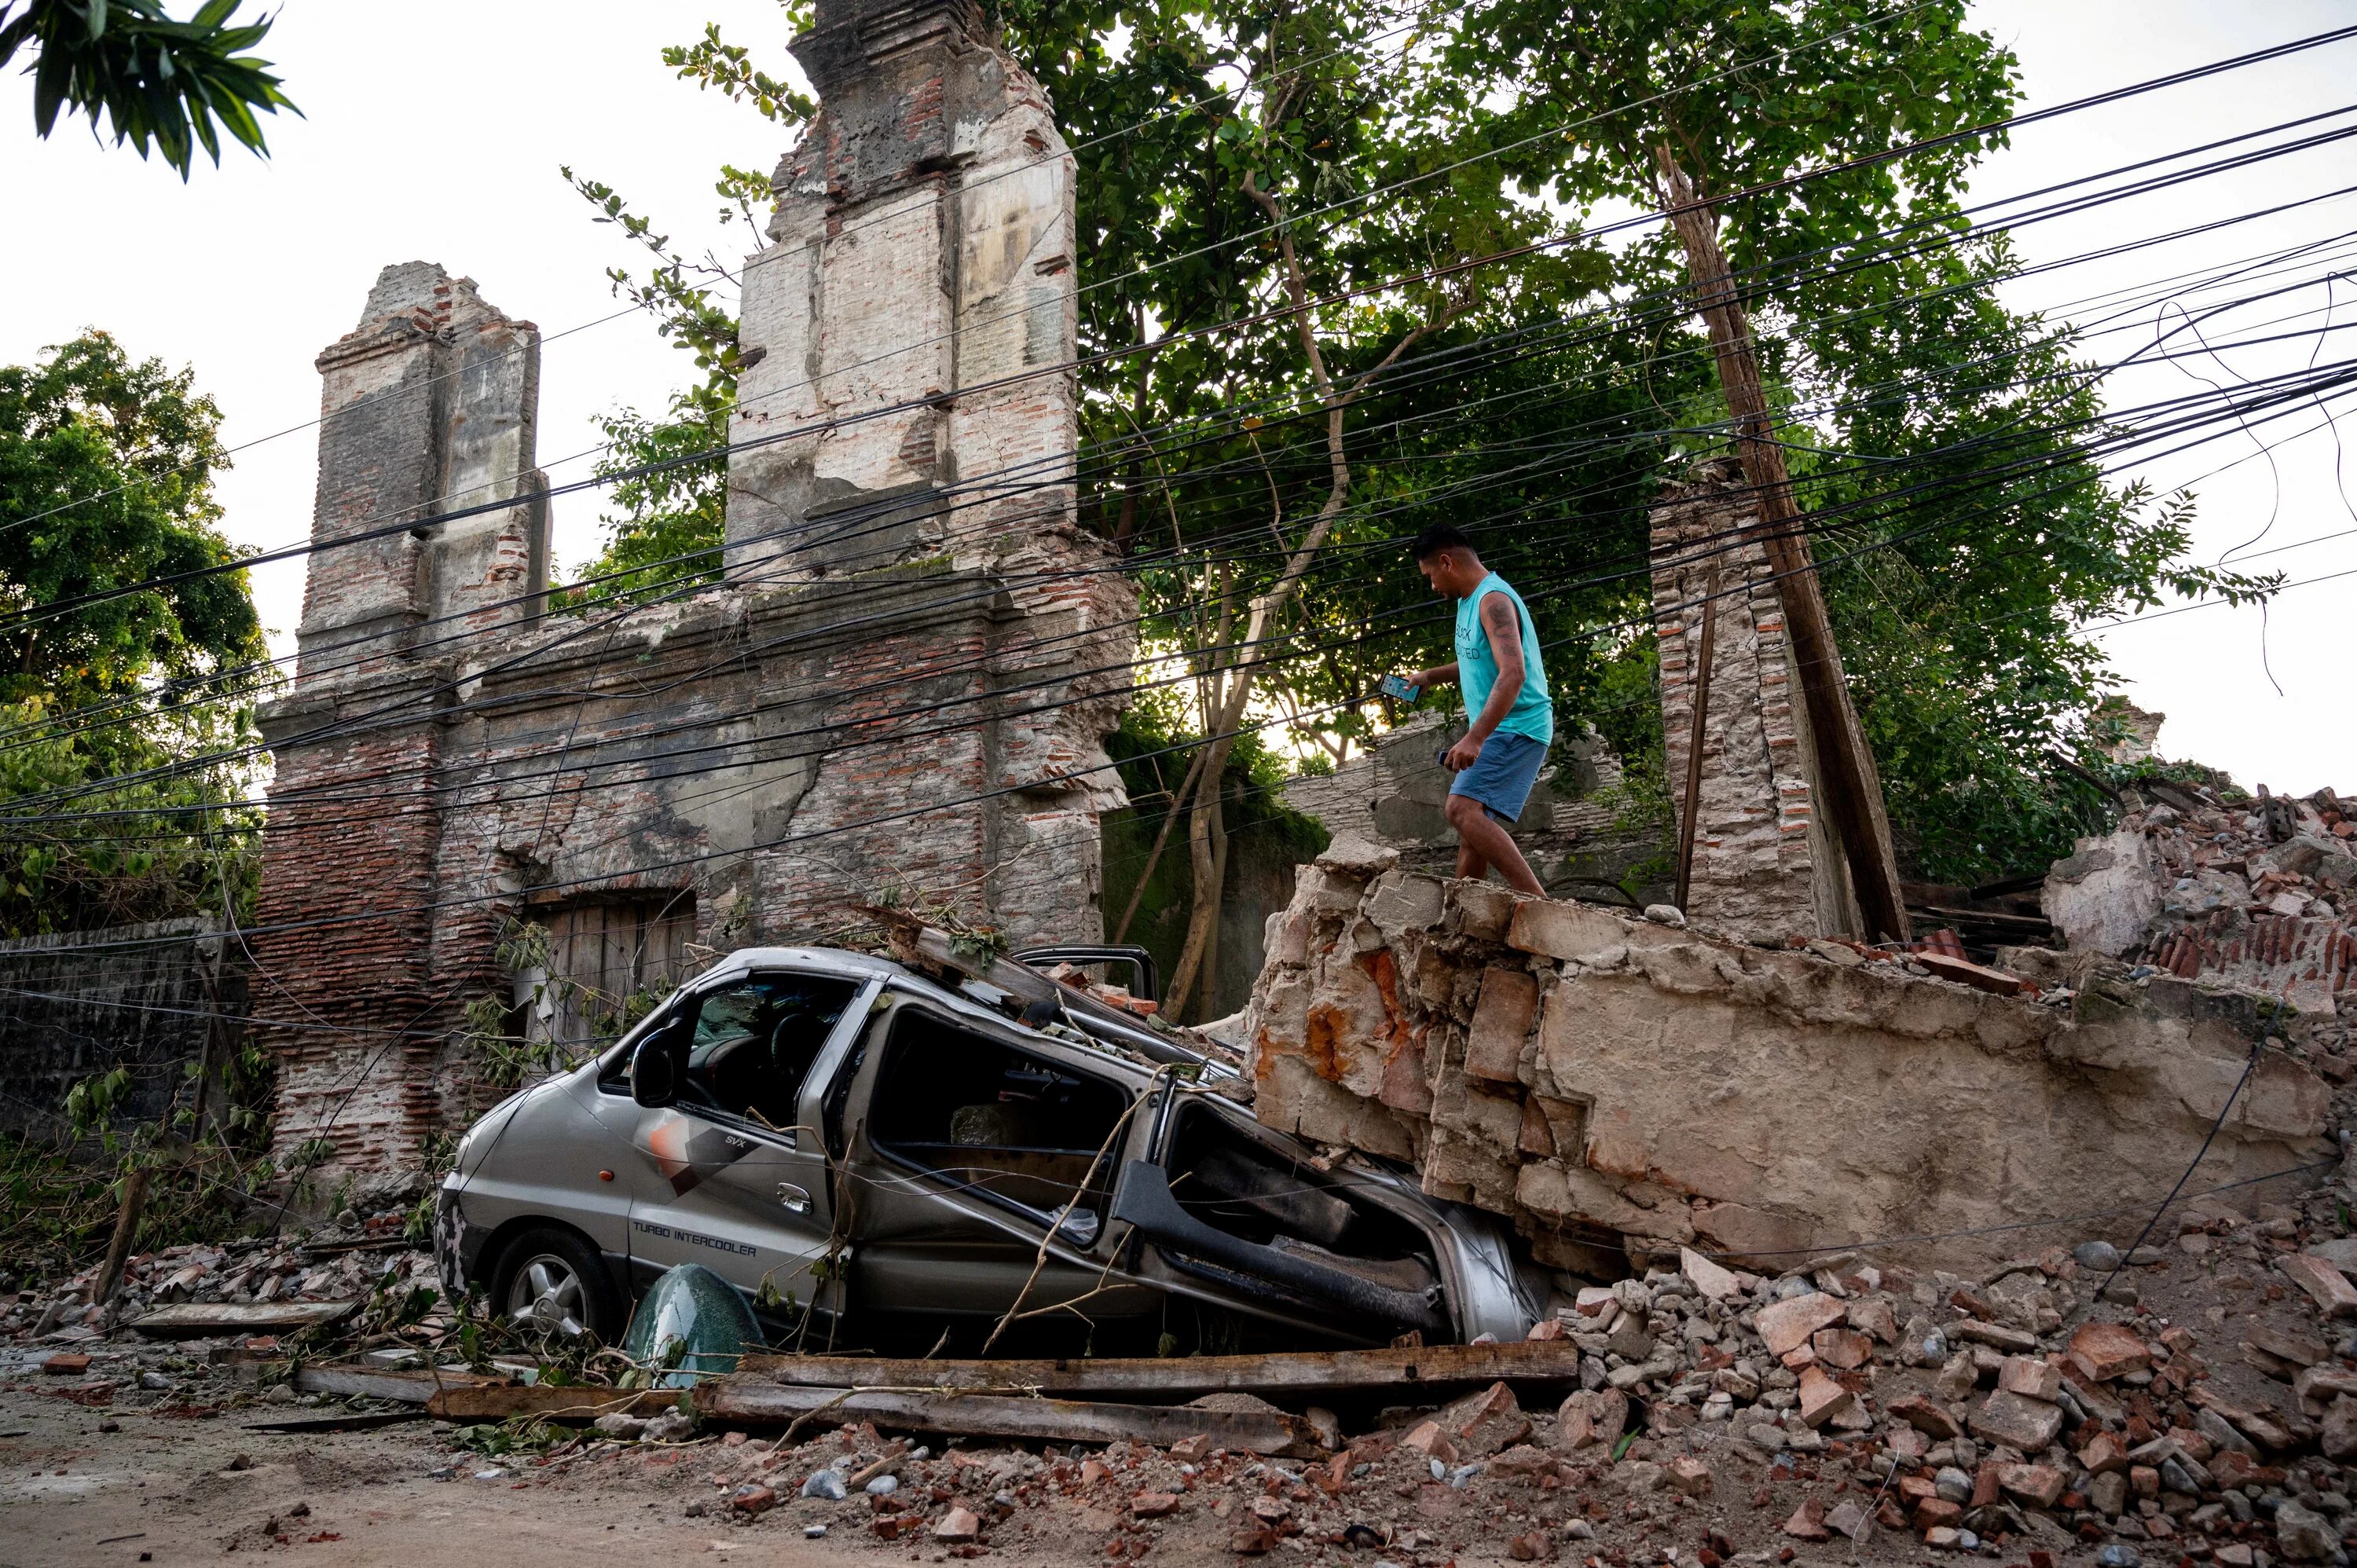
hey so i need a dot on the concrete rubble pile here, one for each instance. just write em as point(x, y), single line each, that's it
point(1622, 1084)
point(338, 1263)
point(1731, 1416)
point(2259, 894)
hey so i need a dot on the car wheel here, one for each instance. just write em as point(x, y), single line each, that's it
point(550, 1281)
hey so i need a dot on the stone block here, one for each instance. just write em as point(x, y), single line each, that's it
point(1484, 911)
point(1357, 858)
point(1482, 1423)
point(1823, 1398)
point(1786, 1326)
point(1845, 1348)
point(2107, 1350)
point(1926, 1417)
point(1574, 932)
point(2325, 1284)
point(1590, 1417)
point(2030, 1378)
point(1501, 1021)
point(1716, 1283)
point(1405, 901)
point(2040, 1486)
point(2028, 1424)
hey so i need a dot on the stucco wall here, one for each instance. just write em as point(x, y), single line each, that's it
point(1599, 1077)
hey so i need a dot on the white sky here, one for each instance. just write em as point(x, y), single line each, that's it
point(438, 138)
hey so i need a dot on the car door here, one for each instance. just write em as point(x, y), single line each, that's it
point(966, 1149)
point(731, 1174)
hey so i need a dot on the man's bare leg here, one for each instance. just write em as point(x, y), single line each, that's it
point(1482, 843)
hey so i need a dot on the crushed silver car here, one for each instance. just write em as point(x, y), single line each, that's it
point(881, 1158)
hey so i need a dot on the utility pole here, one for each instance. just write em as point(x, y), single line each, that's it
point(1848, 791)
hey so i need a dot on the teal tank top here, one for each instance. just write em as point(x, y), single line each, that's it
point(1533, 713)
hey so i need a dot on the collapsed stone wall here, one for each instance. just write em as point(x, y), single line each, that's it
point(156, 999)
point(1617, 1084)
point(1571, 830)
point(2261, 896)
point(901, 682)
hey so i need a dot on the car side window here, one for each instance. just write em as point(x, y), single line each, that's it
point(755, 1041)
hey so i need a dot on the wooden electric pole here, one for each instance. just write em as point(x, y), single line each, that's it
point(1849, 791)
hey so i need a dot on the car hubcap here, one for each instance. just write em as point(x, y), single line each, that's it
point(546, 1298)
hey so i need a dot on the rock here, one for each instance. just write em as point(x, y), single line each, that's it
point(1848, 1519)
point(1808, 1522)
point(756, 1500)
point(2214, 1427)
point(1589, 1417)
point(881, 1486)
point(1822, 1398)
point(1665, 914)
point(2256, 1425)
point(2317, 1384)
point(2096, 1257)
point(1531, 1546)
point(1786, 1326)
point(1639, 1476)
point(1871, 1315)
point(1352, 854)
point(825, 1485)
point(1427, 1439)
point(1160, 1504)
point(1629, 1340)
point(1932, 1513)
point(2118, 1554)
point(2326, 1285)
point(1952, 1484)
point(1959, 1376)
point(1480, 1424)
point(1689, 1476)
point(1925, 1417)
point(2283, 1345)
point(2040, 1486)
point(2305, 1536)
point(957, 1526)
point(2341, 1254)
point(2336, 1433)
point(2009, 1418)
point(2030, 1378)
point(628, 1428)
point(1945, 1538)
point(1844, 1347)
point(1718, 1283)
point(2109, 1494)
point(2104, 1454)
point(2107, 1350)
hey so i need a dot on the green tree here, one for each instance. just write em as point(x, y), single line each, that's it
point(106, 476)
point(156, 80)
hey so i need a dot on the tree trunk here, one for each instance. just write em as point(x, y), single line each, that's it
point(126, 1227)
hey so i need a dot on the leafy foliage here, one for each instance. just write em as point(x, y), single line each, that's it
point(157, 81)
point(106, 473)
point(1273, 198)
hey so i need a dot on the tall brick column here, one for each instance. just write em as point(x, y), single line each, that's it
point(427, 407)
point(1764, 867)
point(921, 286)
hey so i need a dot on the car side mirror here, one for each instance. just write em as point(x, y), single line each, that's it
point(654, 1069)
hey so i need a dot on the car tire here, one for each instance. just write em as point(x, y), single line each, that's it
point(550, 1281)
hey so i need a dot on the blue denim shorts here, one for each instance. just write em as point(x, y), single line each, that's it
point(1501, 776)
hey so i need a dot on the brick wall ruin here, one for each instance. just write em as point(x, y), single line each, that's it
point(911, 616)
point(159, 999)
point(1764, 867)
point(1610, 1081)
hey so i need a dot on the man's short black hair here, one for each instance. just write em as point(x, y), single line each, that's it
point(1440, 536)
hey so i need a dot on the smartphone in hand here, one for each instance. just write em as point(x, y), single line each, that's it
point(1401, 688)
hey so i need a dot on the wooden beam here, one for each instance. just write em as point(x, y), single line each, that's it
point(1849, 789)
point(745, 1398)
point(505, 1402)
point(1156, 1380)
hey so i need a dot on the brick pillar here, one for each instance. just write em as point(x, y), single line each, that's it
point(427, 407)
point(919, 285)
point(1764, 866)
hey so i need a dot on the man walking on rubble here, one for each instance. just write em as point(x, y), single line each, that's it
point(1505, 686)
